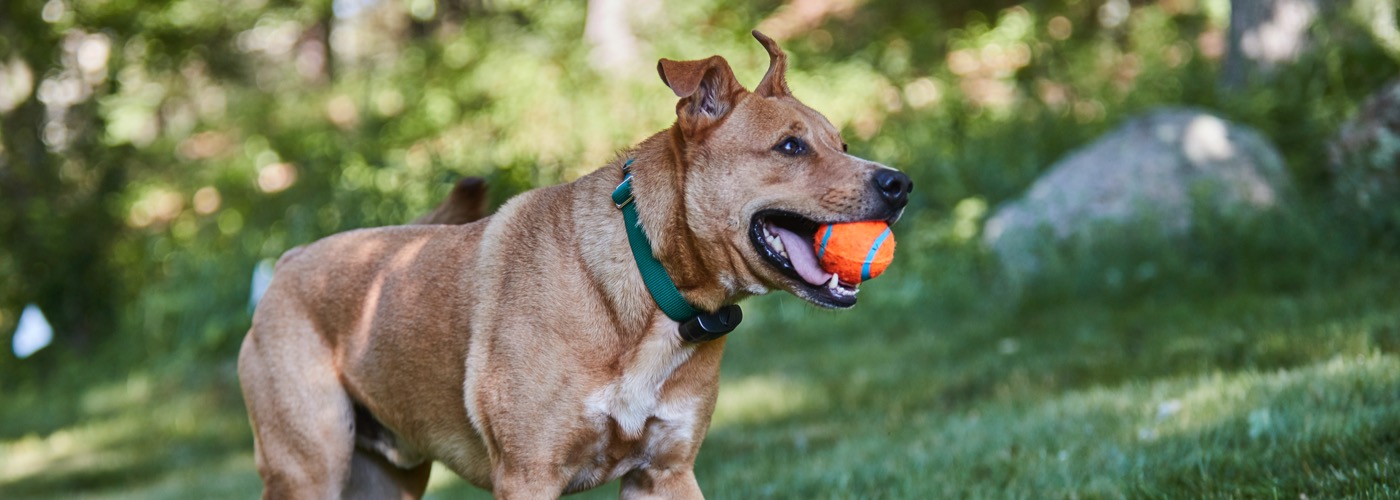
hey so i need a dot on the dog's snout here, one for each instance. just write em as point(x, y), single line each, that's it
point(894, 186)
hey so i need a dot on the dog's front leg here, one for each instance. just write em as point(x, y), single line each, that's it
point(520, 481)
point(521, 487)
point(660, 483)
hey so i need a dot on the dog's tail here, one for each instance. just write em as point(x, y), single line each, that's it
point(467, 203)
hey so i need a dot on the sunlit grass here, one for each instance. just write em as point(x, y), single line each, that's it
point(763, 398)
point(1171, 436)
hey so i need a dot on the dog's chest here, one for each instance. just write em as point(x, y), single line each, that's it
point(634, 422)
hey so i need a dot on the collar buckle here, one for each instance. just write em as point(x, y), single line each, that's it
point(622, 194)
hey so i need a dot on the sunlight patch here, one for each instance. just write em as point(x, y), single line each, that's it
point(92, 446)
point(135, 391)
point(762, 397)
point(1253, 399)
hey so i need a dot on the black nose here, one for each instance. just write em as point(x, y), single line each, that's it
point(894, 186)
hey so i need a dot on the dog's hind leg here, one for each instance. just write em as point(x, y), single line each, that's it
point(303, 423)
point(669, 484)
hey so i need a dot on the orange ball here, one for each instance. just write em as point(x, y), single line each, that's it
point(854, 251)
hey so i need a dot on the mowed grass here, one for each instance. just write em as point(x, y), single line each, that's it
point(926, 389)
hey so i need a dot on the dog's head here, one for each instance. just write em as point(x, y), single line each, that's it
point(773, 170)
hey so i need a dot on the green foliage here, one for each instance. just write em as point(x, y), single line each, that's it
point(211, 135)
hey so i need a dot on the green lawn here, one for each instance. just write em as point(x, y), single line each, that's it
point(919, 392)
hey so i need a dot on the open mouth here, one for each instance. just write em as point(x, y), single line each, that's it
point(785, 241)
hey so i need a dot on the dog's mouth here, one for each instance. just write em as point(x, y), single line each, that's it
point(784, 240)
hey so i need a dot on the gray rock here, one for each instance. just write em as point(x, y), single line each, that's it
point(1146, 179)
point(1365, 155)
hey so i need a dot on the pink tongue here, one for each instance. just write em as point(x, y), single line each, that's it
point(803, 258)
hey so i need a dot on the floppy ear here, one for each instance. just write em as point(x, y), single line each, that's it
point(775, 81)
point(707, 89)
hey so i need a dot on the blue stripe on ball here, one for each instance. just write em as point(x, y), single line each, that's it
point(870, 257)
point(827, 236)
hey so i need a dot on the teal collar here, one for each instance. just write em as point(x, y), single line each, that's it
point(695, 325)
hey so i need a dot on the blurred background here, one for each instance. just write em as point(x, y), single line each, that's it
point(1151, 252)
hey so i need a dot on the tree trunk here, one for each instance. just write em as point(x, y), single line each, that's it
point(609, 32)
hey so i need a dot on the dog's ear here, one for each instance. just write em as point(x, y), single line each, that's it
point(707, 89)
point(775, 81)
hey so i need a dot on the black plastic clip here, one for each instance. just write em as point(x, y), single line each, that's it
point(710, 326)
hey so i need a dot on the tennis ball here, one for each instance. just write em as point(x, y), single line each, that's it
point(854, 251)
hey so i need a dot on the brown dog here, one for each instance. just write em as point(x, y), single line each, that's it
point(523, 351)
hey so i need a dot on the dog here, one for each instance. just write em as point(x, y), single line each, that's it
point(526, 351)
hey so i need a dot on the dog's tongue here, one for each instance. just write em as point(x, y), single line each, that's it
point(803, 258)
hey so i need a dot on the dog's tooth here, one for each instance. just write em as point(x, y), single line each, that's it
point(833, 284)
point(778, 245)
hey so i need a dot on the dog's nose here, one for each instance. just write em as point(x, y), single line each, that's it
point(894, 186)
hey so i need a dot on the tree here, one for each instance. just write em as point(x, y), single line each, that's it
point(56, 176)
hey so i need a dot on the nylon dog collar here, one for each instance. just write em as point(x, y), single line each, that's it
point(695, 325)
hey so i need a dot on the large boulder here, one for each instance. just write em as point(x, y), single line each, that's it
point(1365, 155)
point(1150, 178)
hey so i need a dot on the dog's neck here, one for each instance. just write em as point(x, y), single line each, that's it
point(658, 184)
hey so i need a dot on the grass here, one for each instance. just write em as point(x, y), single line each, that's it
point(928, 389)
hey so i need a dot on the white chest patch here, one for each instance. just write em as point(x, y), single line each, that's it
point(635, 402)
point(634, 397)
point(676, 420)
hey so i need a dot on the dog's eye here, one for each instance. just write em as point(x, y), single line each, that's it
point(791, 146)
